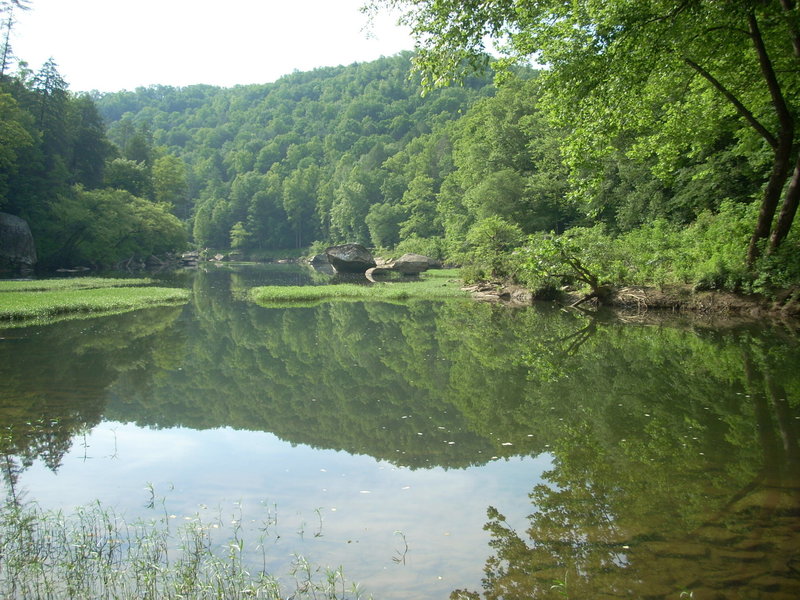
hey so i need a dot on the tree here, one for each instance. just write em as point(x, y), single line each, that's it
point(89, 146)
point(103, 227)
point(299, 200)
point(13, 137)
point(6, 53)
point(671, 70)
point(170, 185)
point(7, 16)
point(129, 175)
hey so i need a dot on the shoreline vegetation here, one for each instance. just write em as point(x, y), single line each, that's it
point(96, 553)
point(46, 301)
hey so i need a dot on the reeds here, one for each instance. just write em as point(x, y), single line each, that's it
point(96, 553)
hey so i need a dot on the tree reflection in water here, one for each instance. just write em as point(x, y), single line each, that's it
point(674, 443)
point(698, 497)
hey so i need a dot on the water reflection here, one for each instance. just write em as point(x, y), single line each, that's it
point(674, 446)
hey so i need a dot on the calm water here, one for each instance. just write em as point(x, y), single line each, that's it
point(427, 447)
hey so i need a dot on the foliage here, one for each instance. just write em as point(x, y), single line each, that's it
point(680, 88)
point(344, 154)
point(708, 254)
point(430, 247)
point(579, 256)
point(488, 246)
point(103, 227)
point(59, 172)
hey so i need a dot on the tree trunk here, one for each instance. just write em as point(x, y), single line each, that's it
point(772, 195)
point(783, 148)
point(788, 210)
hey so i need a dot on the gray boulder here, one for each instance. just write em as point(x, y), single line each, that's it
point(412, 264)
point(350, 258)
point(17, 249)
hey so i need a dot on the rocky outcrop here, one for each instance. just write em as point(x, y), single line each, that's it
point(17, 249)
point(350, 258)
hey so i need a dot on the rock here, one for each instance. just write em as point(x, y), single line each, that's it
point(319, 259)
point(190, 259)
point(350, 258)
point(17, 249)
point(379, 271)
point(412, 264)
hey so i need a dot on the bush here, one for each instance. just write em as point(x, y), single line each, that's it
point(584, 256)
point(490, 243)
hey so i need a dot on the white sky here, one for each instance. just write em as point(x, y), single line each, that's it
point(110, 45)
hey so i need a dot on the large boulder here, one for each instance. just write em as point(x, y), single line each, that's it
point(412, 264)
point(350, 258)
point(17, 249)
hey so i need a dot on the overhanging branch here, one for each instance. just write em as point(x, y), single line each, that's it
point(740, 108)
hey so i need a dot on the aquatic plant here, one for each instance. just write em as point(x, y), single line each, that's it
point(95, 553)
point(46, 301)
point(432, 285)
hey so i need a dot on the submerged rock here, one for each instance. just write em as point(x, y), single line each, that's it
point(350, 258)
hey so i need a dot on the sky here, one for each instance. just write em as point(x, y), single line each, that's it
point(109, 45)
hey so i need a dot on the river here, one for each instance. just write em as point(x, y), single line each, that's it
point(426, 447)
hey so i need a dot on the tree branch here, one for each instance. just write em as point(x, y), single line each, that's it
point(740, 108)
point(768, 72)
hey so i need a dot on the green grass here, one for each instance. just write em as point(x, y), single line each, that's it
point(433, 285)
point(50, 300)
point(70, 283)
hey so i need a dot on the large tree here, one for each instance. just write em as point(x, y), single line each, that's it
point(671, 71)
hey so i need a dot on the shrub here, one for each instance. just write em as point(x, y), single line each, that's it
point(490, 242)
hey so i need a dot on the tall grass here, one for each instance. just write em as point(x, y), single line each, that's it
point(49, 300)
point(96, 553)
point(432, 285)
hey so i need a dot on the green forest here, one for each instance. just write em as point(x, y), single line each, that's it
point(656, 145)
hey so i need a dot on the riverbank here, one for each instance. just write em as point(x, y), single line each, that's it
point(668, 298)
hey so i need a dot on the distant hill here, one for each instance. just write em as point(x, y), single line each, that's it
point(320, 155)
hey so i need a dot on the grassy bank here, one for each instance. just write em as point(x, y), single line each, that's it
point(48, 300)
point(432, 285)
point(95, 553)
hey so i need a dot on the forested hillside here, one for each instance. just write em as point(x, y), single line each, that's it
point(350, 153)
point(616, 165)
point(365, 153)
